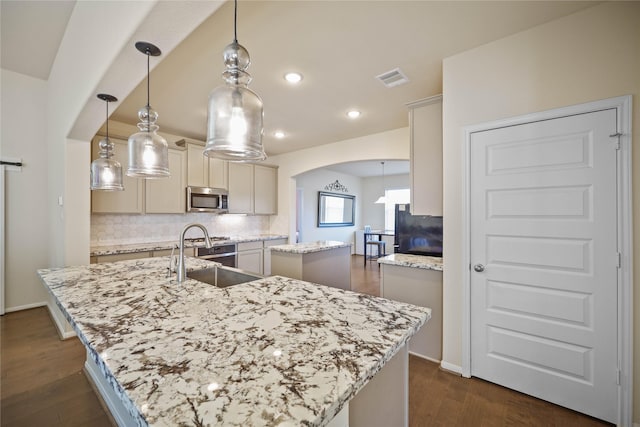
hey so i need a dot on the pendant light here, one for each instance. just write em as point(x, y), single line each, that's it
point(148, 151)
point(234, 128)
point(106, 173)
point(382, 199)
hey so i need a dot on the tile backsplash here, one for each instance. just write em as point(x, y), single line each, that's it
point(125, 229)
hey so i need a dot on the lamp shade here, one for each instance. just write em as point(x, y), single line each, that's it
point(106, 173)
point(235, 112)
point(148, 151)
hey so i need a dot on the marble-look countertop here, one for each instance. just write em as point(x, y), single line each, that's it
point(101, 250)
point(276, 351)
point(305, 248)
point(415, 261)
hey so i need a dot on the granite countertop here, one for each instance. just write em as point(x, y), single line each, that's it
point(305, 248)
point(101, 250)
point(276, 351)
point(415, 261)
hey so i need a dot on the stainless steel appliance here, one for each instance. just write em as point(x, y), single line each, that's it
point(207, 199)
point(225, 253)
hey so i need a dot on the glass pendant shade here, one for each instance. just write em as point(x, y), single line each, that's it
point(235, 112)
point(148, 151)
point(106, 172)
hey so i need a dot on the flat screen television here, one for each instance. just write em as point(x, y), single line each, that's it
point(417, 234)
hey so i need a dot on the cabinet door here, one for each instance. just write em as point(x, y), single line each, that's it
point(240, 188)
point(425, 124)
point(218, 173)
point(197, 166)
point(265, 190)
point(250, 261)
point(127, 201)
point(168, 195)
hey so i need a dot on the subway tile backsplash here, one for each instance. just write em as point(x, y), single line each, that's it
point(119, 229)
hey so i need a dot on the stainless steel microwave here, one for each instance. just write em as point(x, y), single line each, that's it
point(206, 199)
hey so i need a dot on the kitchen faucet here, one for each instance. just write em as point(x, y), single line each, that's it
point(182, 268)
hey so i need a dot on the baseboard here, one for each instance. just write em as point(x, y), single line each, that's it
point(60, 327)
point(25, 307)
point(450, 367)
point(421, 356)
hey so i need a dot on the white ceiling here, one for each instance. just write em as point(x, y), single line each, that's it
point(339, 47)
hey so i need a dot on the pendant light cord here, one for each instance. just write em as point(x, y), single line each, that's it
point(107, 119)
point(235, 22)
point(148, 102)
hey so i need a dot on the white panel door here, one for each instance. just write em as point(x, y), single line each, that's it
point(543, 227)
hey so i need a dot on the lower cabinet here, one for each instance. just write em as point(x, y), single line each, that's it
point(250, 256)
point(423, 288)
point(267, 254)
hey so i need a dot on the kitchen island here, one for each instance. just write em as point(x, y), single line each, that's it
point(275, 351)
point(327, 262)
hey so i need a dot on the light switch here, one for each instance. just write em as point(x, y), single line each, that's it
point(60, 201)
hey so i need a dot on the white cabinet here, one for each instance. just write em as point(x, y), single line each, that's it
point(241, 188)
point(128, 201)
point(162, 195)
point(204, 171)
point(167, 195)
point(265, 186)
point(420, 287)
point(249, 257)
point(425, 128)
point(266, 263)
point(252, 189)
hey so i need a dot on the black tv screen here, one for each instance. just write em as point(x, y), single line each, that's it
point(419, 234)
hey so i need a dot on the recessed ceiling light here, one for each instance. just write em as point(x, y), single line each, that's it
point(278, 134)
point(293, 77)
point(353, 114)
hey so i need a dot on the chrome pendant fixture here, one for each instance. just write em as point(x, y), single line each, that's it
point(382, 199)
point(235, 112)
point(148, 151)
point(106, 173)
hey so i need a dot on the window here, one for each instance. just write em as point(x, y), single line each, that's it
point(393, 197)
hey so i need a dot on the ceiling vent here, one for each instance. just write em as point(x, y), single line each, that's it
point(393, 78)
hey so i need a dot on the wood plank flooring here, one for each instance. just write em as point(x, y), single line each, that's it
point(42, 383)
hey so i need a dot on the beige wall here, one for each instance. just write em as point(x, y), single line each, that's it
point(587, 56)
point(390, 145)
point(26, 227)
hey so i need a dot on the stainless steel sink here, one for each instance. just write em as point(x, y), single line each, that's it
point(222, 277)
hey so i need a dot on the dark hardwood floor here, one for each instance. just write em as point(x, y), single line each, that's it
point(42, 383)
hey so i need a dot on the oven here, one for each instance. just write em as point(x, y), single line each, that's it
point(225, 254)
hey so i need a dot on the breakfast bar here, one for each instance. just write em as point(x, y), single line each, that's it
point(274, 351)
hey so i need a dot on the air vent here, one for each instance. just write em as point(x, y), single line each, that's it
point(393, 78)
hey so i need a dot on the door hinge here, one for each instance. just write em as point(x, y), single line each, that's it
point(618, 376)
point(618, 260)
point(616, 135)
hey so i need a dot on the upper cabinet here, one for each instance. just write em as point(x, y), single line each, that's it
point(168, 195)
point(128, 201)
point(425, 127)
point(253, 189)
point(204, 171)
point(162, 195)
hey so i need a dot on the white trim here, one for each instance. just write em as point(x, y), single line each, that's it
point(421, 356)
point(452, 368)
point(3, 191)
point(424, 101)
point(25, 307)
point(63, 333)
point(109, 397)
point(625, 295)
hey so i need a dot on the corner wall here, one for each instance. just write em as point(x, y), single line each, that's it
point(590, 55)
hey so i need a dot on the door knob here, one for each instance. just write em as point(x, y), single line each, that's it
point(479, 268)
